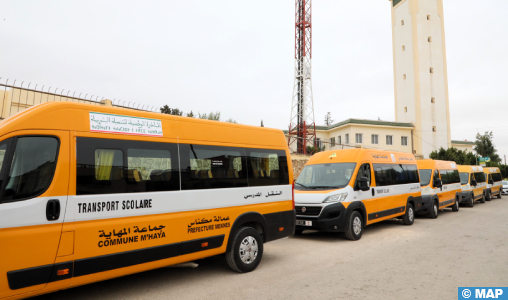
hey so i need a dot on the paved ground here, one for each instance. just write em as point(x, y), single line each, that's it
point(428, 260)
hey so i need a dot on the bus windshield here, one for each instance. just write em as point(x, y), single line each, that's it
point(425, 177)
point(464, 178)
point(325, 176)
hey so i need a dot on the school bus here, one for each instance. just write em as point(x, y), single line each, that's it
point(494, 182)
point(440, 183)
point(90, 193)
point(346, 190)
point(473, 184)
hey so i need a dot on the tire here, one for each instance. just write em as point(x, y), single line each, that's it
point(246, 238)
point(409, 217)
point(354, 228)
point(482, 200)
point(298, 231)
point(488, 196)
point(471, 201)
point(499, 195)
point(434, 210)
point(455, 206)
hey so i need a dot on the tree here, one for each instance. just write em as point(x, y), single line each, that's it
point(171, 111)
point(190, 115)
point(313, 149)
point(231, 120)
point(328, 119)
point(262, 125)
point(214, 116)
point(452, 154)
point(485, 147)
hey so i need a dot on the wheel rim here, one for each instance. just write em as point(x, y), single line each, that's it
point(248, 250)
point(357, 225)
point(435, 209)
point(410, 214)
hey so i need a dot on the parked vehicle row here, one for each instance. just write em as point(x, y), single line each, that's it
point(89, 193)
point(346, 190)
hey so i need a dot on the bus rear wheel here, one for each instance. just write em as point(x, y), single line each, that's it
point(409, 217)
point(246, 250)
point(455, 206)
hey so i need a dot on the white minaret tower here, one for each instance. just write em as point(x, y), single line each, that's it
point(419, 65)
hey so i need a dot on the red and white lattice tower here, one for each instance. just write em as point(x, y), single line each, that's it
point(302, 128)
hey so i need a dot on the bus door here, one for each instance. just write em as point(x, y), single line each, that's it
point(366, 197)
point(34, 176)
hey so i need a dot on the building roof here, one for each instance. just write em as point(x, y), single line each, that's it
point(463, 142)
point(366, 122)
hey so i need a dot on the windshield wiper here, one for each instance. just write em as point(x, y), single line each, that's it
point(301, 185)
point(324, 187)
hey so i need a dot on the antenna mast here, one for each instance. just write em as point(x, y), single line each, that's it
point(302, 128)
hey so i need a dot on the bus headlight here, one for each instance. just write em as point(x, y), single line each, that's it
point(335, 198)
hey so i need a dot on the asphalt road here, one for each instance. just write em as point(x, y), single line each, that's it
point(427, 260)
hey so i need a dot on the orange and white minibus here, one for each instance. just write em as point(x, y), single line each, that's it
point(473, 184)
point(90, 193)
point(494, 182)
point(346, 190)
point(441, 187)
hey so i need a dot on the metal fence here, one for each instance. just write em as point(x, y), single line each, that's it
point(15, 98)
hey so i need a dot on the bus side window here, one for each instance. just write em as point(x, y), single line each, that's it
point(210, 167)
point(32, 169)
point(151, 170)
point(267, 167)
point(364, 171)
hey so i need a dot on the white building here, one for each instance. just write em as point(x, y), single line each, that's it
point(420, 75)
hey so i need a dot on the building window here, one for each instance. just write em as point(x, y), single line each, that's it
point(319, 144)
point(429, 39)
point(389, 139)
point(359, 138)
point(431, 70)
point(428, 17)
point(332, 141)
point(403, 48)
point(339, 140)
point(404, 76)
point(347, 138)
point(405, 109)
point(432, 100)
point(375, 139)
point(433, 128)
point(402, 22)
point(403, 141)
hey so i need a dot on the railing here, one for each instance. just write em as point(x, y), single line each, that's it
point(18, 98)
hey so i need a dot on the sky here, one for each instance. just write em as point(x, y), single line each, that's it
point(237, 57)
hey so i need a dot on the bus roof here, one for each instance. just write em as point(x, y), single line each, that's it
point(436, 164)
point(77, 117)
point(490, 170)
point(361, 155)
point(470, 169)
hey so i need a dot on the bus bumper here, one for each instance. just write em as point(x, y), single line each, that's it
point(333, 218)
point(464, 197)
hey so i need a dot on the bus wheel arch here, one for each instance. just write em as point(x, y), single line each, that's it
point(249, 219)
point(359, 207)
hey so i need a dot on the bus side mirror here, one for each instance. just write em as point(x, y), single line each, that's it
point(363, 183)
point(438, 183)
point(491, 181)
point(473, 182)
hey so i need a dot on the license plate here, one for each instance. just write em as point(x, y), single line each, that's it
point(303, 223)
